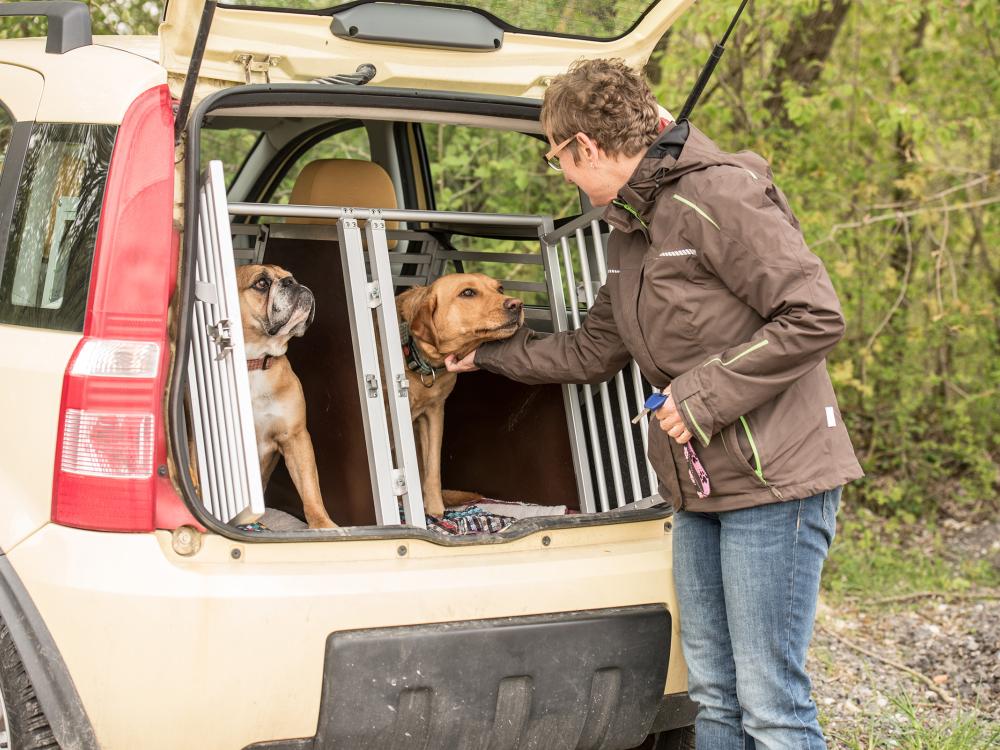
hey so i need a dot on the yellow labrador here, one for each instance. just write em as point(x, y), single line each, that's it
point(453, 315)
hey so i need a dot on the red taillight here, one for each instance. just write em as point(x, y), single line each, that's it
point(112, 438)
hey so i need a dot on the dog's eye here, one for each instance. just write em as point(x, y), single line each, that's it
point(262, 284)
point(499, 290)
point(468, 293)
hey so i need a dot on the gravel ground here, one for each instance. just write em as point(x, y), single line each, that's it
point(944, 654)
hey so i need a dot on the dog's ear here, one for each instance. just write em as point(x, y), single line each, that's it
point(422, 321)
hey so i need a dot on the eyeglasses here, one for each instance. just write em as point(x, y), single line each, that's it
point(551, 157)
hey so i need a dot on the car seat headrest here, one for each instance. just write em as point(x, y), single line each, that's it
point(343, 182)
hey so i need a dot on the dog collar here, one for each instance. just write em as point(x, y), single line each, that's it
point(261, 363)
point(414, 357)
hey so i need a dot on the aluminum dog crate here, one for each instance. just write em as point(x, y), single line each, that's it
point(609, 452)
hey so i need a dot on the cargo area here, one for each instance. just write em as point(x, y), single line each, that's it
point(572, 450)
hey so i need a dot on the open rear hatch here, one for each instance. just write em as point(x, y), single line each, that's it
point(490, 46)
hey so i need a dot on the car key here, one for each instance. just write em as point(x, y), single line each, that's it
point(696, 470)
point(654, 401)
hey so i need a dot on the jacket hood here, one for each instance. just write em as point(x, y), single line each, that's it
point(678, 151)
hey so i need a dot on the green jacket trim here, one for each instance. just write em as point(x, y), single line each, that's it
point(697, 427)
point(758, 469)
point(759, 345)
point(689, 204)
point(631, 210)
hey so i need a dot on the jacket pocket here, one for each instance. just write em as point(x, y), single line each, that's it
point(743, 448)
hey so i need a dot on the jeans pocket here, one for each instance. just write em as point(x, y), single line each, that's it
point(831, 503)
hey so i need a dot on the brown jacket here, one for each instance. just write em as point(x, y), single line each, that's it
point(712, 290)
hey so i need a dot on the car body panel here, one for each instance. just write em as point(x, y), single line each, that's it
point(229, 643)
point(122, 76)
point(29, 400)
point(20, 91)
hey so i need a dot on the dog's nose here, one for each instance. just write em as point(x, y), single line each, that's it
point(512, 304)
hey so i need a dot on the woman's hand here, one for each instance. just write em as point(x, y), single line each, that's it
point(671, 422)
point(465, 364)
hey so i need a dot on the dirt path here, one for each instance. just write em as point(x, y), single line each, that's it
point(954, 644)
point(941, 652)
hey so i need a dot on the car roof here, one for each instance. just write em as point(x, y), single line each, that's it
point(95, 83)
point(144, 46)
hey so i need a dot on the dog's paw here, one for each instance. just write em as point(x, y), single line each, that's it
point(434, 506)
point(322, 523)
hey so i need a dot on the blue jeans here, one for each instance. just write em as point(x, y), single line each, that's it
point(747, 583)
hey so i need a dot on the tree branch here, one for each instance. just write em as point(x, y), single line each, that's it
point(896, 215)
point(902, 289)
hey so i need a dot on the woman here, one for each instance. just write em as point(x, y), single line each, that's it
point(712, 290)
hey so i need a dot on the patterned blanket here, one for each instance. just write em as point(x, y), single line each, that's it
point(487, 516)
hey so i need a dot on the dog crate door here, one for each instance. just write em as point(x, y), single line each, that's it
point(225, 445)
point(616, 471)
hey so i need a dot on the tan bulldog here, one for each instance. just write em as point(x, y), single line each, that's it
point(274, 307)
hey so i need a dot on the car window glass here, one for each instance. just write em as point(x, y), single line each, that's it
point(346, 144)
point(230, 146)
point(592, 19)
point(497, 172)
point(6, 128)
point(50, 248)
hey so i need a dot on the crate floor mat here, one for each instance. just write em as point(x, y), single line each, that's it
point(485, 516)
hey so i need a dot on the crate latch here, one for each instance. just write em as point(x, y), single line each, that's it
point(402, 386)
point(222, 334)
point(398, 482)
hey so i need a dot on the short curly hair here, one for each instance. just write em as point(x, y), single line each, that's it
point(607, 100)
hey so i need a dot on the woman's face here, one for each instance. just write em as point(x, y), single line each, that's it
point(591, 170)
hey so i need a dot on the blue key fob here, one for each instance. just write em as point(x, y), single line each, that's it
point(655, 401)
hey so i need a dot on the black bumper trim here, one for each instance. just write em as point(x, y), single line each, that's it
point(590, 679)
point(49, 675)
point(676, 710)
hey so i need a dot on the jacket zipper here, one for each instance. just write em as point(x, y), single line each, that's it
point(758, 468)
point(631, 210)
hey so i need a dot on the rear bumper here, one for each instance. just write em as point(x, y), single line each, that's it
point(231, 645)
point(558, 681)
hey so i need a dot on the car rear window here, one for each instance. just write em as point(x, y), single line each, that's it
point(53, 229)
point(590, 19)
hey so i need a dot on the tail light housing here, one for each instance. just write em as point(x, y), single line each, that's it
point(110, 464)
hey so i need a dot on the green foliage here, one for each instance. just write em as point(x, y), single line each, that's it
point(228, 146)
point(887, 143)
point(107, 17)
point(497, 171)
point(871, 559)
point(913, 732)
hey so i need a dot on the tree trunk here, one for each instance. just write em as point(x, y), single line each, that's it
point(804, 52)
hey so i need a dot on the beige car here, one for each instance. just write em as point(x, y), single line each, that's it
point(148, 597)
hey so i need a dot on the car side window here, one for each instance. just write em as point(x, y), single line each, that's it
point(497, 172)
point(53, 230)
point(230, 146)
